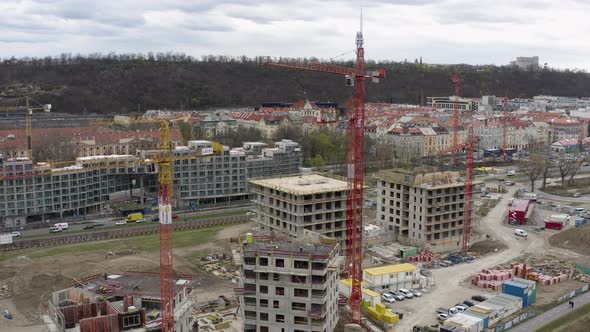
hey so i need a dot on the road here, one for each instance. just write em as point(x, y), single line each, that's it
point(582, 199)
point(548, 316)
point(111, 221)
point(450, 287)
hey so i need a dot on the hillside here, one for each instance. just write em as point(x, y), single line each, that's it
point(124, 83)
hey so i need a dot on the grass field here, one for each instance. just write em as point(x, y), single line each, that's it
point(577, 320)
point(143, 243)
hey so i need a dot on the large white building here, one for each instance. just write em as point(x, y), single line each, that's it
point(422, 207)
point(287, 286)
point(293, 204)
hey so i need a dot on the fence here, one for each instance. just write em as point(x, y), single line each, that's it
point(532, 312)
point(118, 233)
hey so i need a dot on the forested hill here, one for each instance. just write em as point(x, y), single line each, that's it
point(122, 83)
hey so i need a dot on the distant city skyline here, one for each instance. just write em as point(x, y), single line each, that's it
point(439, 31)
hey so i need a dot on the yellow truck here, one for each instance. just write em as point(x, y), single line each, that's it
point(135, 217)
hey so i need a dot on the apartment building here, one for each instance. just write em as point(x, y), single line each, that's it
point(291, 205)
point(205, 173)
point(288, 287)
point(40, 192)
point(422, 207)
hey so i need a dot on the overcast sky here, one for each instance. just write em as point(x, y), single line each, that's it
point(441, 31)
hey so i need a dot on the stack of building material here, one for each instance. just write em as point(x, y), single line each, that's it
point(491, 278)
point(522, 269)
point(425, 256)
point(381, 313)
point(546, 280)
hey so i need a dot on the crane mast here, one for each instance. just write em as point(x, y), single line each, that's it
point(355, 174)
point(166, 229)
point(457, 83)
point(505, 128)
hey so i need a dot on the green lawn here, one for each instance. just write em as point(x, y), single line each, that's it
point(147, 243)
point(570, 321)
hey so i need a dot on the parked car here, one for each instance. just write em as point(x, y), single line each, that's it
point(387, 298)
point(579, 210)
point(88, 227)
point(397, 296)
point(576, 195)
point(406, 293)
point(468, 303)
point(509, 183)
point(478, 298)
point(416, 293)
point(511, 173)
point(15, 234)
point(120, 222)
point(520, 232)
point(175, 216)
point(140, 220)
point(156, 218)
point(461, 307)
point(442, 317)
point(54, 229)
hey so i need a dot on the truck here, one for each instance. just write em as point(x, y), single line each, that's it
point(134, 217)
point(450, 312)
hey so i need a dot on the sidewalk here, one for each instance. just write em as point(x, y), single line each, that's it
point(548, 316)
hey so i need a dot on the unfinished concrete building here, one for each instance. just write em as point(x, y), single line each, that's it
point(422, 207)
point(291, 205)
point(287, 286)
point(119, 302)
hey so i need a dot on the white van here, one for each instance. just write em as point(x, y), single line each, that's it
point(61, 225)
point(520, 232)
point(579, 211)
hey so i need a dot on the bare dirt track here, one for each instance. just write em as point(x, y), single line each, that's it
point(31, 281)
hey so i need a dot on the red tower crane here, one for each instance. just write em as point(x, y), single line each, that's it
point(505, 128)
point(457, 83)
point(356, 139)
point(470, 147)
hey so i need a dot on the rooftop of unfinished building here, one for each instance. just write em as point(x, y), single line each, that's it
point(286, 247)
point(422, 176)
point(303, 184)
point(131, 283)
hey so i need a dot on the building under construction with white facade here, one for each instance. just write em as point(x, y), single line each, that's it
point(293, 204)
point(287, 286)
point(422, 207)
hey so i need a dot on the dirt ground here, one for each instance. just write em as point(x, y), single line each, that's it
point(31, 281)
point(488, 246)
point(575, 239)
point(548, 294)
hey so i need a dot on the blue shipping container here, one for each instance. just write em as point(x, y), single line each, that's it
point(581, 222)
point(513, 288)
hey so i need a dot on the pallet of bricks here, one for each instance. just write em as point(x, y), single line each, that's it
point(526, 271)
point(491, 278)
point(425, 256)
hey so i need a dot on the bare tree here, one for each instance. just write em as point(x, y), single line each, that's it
point(58, 147)
point(565, 167)
point(534, 167)
point(575, 168)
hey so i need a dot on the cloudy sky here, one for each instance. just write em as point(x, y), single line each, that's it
point(441, 31)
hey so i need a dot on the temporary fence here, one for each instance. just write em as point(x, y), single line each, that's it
point(56, 240)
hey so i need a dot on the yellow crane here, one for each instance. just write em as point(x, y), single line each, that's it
point(28, 120)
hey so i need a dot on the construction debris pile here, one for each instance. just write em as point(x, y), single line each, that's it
point(550, 271)
point(220, 265)
point(4, 291)
point(491, 278)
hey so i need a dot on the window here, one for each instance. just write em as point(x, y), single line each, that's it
point(275, 304)
point(264, 328)
point(279, 291)
point(263, 289)
point(264, 316)
point(263, 303)
point(131, 321)
point(280, 318)
point(279, 262)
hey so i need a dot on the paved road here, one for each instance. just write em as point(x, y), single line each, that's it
point(583, 199)
point(111, 221)
point(548, 316)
